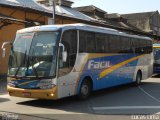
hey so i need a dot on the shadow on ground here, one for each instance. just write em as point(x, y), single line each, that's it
point(3, 100)
point(126, 95)
point(156, 76)
point(3, 85)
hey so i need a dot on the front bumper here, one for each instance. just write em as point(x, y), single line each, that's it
point(28, 93)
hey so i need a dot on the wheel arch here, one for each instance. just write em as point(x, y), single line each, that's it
point(136, 72)
point(140, 72)
point(81, 80)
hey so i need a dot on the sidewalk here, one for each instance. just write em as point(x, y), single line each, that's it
point(3, 85)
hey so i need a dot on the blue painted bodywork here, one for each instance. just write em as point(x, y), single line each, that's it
point(122, 75)
point(24, 83)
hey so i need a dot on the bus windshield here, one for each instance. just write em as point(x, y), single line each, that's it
point(156, 55)
point(34, 55)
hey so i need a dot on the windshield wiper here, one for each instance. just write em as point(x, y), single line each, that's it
point(23, 61)
point(35, 69)
point(32, 59)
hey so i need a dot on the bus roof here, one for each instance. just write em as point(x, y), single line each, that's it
point(79, 26)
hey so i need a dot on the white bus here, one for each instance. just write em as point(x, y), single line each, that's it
point(57, 61)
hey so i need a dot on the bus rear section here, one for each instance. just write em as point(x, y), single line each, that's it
point(113, 59)
point(60, 61)
point(156, 51)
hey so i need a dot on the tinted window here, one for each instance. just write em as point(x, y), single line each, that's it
point(101, 43)
point(142, 46)
point(125, 45)
point(114, 44)
point(87, 42)
point(108, 43)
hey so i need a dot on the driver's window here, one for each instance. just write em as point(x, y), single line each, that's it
point(69, 42)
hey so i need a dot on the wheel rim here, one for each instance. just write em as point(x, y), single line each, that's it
point(84, 90)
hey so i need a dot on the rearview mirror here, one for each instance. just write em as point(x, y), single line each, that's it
point(64, 55)
point(63, 52)
point(4, 49)
point(3, 52)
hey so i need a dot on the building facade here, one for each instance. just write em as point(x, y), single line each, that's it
point(114, 19)
point(20, 14)
point(146, 21)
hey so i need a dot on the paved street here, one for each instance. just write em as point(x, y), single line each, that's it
point(114, 104)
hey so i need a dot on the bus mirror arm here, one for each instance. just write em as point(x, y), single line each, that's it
point(64, 54)
point(4, 49)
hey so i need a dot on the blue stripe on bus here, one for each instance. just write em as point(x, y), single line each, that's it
point(117, 77)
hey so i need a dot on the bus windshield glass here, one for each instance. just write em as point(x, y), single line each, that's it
point(34, 55)
point(157, 54)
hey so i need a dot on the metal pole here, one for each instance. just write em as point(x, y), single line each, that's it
point(54, 11)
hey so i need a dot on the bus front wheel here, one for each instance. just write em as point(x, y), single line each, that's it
point(85, 89)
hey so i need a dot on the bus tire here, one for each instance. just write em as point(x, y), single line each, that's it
point(138, 78)
point(85, 89)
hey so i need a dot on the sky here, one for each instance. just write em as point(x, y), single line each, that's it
point(121, 6)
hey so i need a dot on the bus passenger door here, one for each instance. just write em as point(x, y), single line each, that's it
point(66, 76)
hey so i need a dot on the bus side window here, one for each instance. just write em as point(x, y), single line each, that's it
point(107, 44)
point(114, 44)
point(136, 45)
point(82, 42)
point(125, 45)
point(69, 40)
point(87, 43)
point(100, 43)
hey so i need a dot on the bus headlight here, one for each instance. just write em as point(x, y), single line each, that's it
point(46, 84)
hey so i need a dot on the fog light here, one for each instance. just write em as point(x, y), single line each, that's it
point(52, 94)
